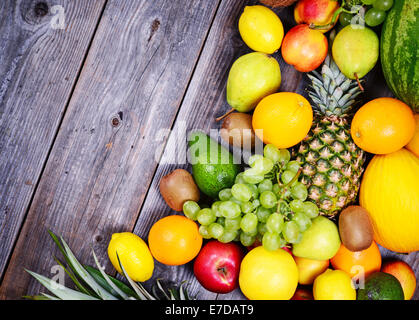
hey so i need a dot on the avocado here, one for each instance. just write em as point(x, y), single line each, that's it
point(213, 166)
point(381, 286)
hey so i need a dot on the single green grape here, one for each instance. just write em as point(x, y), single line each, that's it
point(287, 176)
point(228, 236)
point(239, 178)
point(276, 189)
point(272, 152)
point(263, 166)
point(249, 222)
point(252, 176)
point(293, 166)
point(383, 5)
point(255, 204)
point(375, 17)
point(215, 230)
point(299, 191)
point(254, 189)
point(253, 158)
point(275, 223)
point(215, 208)
point(284, 156)
point(229, 209)
point(310, 209)
point(221, 221)
point(262, 228)
point(232, 224)
point(206, 216)
point(296, 205)
point(263, 214)
point(247, 207)
point(225, 194)
point(252, 233)
point(268, 199)
point(265, 185)
point(271, 241)
point(191, 209)
point(302, 221)
point(345, 18)
point(203, 231)
point(246, 239)
point(241, 192)
point(291, 231)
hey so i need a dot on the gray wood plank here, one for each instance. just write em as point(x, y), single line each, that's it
point(100, 167)
point(205, 101)
point(38, 68)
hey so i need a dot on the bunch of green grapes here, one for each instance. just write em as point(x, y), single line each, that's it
point(266, 204)
point(375, 15)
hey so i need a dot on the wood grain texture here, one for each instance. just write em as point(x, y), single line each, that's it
point(100, 167)
point(205, 101)
point(38, 67)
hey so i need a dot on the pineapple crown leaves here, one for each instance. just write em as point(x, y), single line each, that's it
point(331, 92)
point(95, 284)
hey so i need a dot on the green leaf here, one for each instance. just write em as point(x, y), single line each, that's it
point(74, 278)
point(90, 281)
point(59, 290)
point(108, 280)
point(99, 279)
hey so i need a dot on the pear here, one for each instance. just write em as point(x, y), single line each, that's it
point(319, 242)
point(252, 77)
point(355, 50)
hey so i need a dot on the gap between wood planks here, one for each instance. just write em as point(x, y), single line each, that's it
point(53, 142)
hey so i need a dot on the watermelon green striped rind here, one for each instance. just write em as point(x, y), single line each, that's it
point(400, 51)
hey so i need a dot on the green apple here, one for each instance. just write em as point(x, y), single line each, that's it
point(319, 242)
point(252, 77)
point(355, 51)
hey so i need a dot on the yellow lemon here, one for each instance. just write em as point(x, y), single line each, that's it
point(333, 285)
point(268, 275)
point(261, 29)
point(134, 255)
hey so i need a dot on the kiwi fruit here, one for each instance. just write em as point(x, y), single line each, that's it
point(355, 228)
point(237, 130)
point(178, 187)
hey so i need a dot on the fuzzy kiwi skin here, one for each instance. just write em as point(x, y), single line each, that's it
point(355, 228)
point(237, 130)
point(178, 187)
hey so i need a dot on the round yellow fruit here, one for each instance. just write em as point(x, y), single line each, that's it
point(282, 119)
point(413, 145)
point(390, 193)
point(134, 255)
point(261, 29)
point(333, 285)
point(309, 269)
point(268, 275)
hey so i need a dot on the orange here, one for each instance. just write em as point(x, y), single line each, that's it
point(404, 273)
point(282, 119)
point(355, 263)
point(174, 240)
point(383, 126)
point(413, 145)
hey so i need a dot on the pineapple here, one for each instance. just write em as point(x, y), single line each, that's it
point(331, 162)
point(95, 284)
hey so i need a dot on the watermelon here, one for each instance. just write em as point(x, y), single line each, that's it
point(400, 51)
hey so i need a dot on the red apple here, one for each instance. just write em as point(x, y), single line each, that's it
point(304, 48)
point(217, 266)
point(302, 294)
point(316, 12)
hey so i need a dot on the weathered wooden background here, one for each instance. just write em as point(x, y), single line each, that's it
point(84, 117)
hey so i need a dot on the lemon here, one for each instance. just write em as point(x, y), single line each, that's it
point(333, 285)
point(134, 255)
point(268, 275)
point(261, 29)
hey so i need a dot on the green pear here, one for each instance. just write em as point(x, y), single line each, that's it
point(319, 242)
point(355, 50)
point(252, 77)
